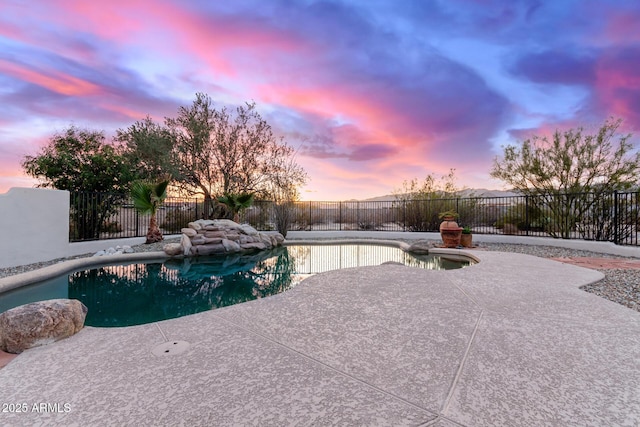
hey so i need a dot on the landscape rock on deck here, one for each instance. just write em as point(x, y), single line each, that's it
point(40, 323)
point(420, 247)
point(220, 237)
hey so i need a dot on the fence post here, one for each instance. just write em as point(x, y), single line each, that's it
point(340, 215)
point(137, 223)
point(616, 223)
point(526, 212)
point(404, 215)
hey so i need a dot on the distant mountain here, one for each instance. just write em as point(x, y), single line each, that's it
point(471, 192)
point(483, 192)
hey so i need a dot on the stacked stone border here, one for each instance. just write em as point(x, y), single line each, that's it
point(221, 237)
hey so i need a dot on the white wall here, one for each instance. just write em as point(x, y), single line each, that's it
point(34, 226)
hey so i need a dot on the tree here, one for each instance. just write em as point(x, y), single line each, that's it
point(149, 149)
point(212, 151)
point(96, 174)
point(236, 202)
point(147, 199)
point(570, 173)
point(282, 191)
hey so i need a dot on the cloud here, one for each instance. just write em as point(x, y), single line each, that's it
point(557, 67)
point(617, 89)
point(53, 80)
point(369, 91)
point(371, 152)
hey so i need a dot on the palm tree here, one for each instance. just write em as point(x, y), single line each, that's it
point(237, 202)
point(147, 199)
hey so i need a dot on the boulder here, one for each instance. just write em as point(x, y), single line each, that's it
point(247, 229)
point(420, 247)
point(195, 225)
point(266, 240)
point(225, 223)
point(210, 249)
point(245, 239)
point(220, 234)
point(200, 240)
point(231, 246)
point(173, 249)
point(185, 242)
point(40, 323)
point(190, 232)
point(208, 240)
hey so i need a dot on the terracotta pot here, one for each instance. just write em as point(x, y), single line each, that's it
point(451, 237)
point(448, 222)
point(466, 240)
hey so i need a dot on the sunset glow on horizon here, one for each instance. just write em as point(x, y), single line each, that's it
point(370, 93)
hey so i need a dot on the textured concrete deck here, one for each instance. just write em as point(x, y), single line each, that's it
point(511, 341)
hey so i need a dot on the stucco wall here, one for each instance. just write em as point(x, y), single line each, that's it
point(34, 225)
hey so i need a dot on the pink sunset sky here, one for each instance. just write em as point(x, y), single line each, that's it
point(370, 92)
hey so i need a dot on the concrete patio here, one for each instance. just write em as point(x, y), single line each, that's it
point(511, 341)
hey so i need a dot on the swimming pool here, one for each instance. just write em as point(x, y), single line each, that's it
point(136, 293)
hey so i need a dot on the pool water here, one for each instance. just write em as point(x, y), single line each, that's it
point(133, 294)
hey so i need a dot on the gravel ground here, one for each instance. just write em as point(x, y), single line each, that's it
point(619, 285)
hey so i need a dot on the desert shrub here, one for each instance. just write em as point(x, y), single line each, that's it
point(418, 204)
point(524, 217)
point(284, 216)
point(370, 219)
point(305, 216)
point(423, 214)
point(569, 172)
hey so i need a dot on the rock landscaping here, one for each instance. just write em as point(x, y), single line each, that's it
point(220, 237)
point(118, 250)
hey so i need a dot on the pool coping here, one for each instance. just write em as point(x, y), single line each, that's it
point(63, 267)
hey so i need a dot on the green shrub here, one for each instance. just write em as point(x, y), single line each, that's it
point(531, 219)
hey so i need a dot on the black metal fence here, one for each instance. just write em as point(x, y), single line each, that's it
point(95, 216)
point(610, 217)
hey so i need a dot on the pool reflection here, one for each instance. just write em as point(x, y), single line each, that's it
point(128, 295)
